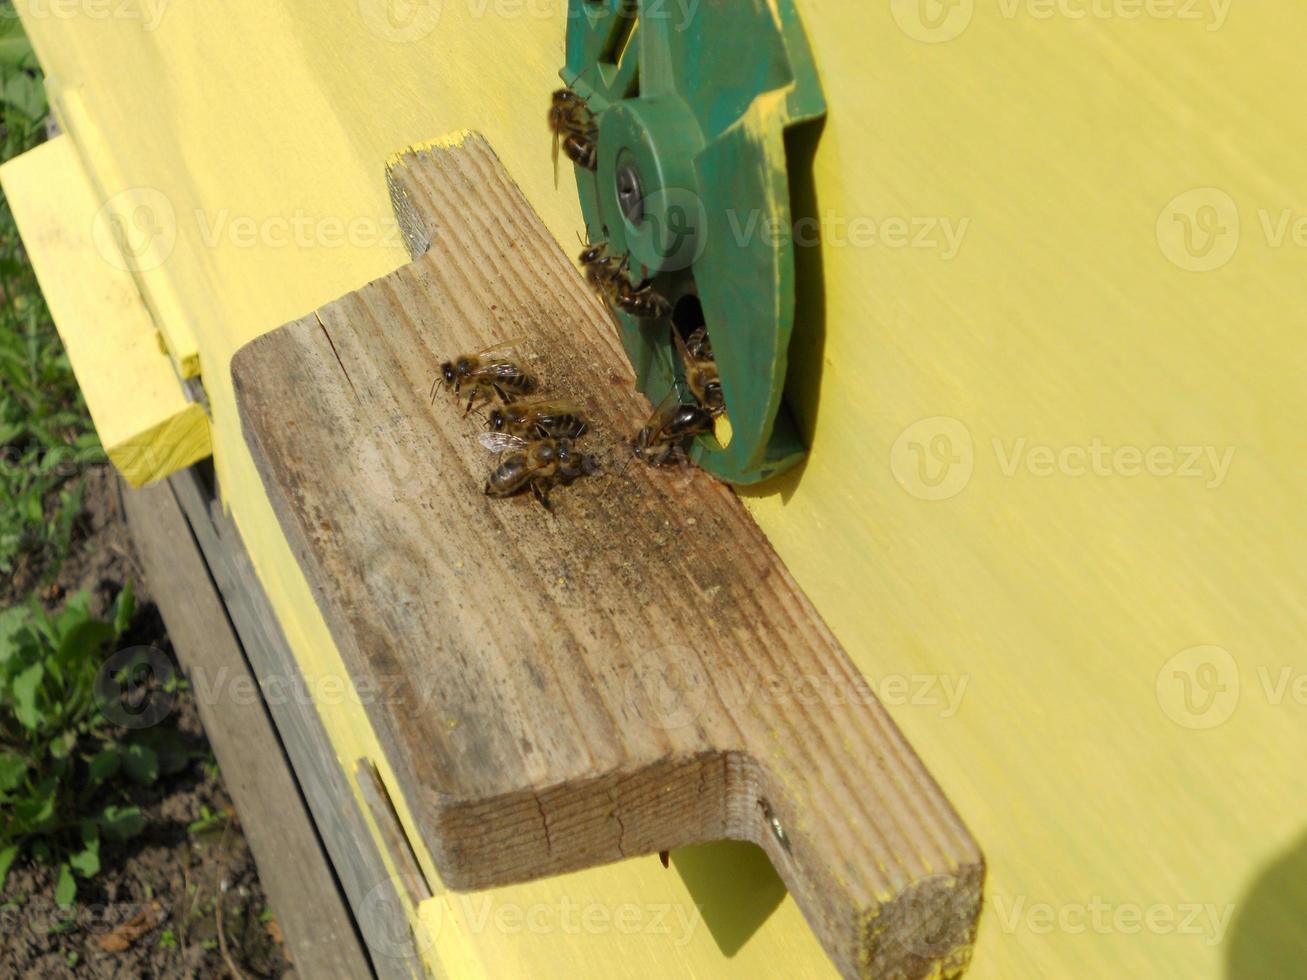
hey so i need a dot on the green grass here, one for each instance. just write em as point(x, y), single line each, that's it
point(46, 438)
point(65, 768)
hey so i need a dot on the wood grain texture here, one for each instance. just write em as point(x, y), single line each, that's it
point(293, 869)
point(373, 894)
point(1059, 599)
point(636, 672)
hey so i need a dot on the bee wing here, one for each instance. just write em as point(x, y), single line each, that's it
point(557, 139)
point(499, 348)
point(548, 406)
point(666, 410)
point(501, 442)
point(681, 347)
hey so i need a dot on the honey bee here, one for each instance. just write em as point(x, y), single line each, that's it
point(540, 465)
point(573, 126)
point(485, 375)
point(698, 344)
point(539, 419)
point(662, 439)
point(641, 302)
point(701, 370)
point(599, 266)
point(610, 278)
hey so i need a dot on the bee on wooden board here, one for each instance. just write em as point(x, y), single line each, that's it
point(610, 278)
point(662, 439)
point(487, 377)
point(539, 465)
point(539, 420)
point(573, 126)
point(701, 375)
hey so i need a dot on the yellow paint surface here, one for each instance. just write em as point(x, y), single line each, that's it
point(145, 422)
point(1063, 244)
point(142, 213)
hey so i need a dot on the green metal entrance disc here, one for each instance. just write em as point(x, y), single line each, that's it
point(692, 99)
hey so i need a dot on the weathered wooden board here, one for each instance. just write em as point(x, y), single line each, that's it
point(637, 671)
point(372, 893)
point(295, 873)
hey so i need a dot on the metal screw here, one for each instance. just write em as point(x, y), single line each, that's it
point(778, 831)
point(630, 193)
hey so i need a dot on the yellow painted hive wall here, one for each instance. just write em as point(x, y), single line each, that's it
point(1110, 638)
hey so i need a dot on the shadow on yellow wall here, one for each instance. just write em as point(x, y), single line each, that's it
point(1269, 932)
point(735, 887)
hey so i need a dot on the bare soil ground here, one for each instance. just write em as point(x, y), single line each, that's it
point(192, 895)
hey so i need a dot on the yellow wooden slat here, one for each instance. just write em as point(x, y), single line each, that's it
point(148, 427)
point(1058, 595)
point(147, 219)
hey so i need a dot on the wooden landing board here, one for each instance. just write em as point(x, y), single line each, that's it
point(637, 671)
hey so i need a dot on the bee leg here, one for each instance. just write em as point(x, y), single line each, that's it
point(471, 400)
point(435, 388)
point(538, 491)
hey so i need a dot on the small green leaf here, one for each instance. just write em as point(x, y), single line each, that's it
point(104, 765)
point(124, 608)
point(84, 639)
point(25, 688)
point(13, 768)
point(171, 749)
point(13, 623)
point(209, 821)
point(86, 862)
point(7, 856)
point(141, 764)
point(66, 891)
point(120, 823)
point(61, 746)
point(35, 811)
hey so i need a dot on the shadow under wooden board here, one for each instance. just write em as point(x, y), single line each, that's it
point(564, 690)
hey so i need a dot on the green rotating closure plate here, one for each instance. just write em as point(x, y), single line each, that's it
point(692, 100)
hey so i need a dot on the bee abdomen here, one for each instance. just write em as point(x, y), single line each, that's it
point(508, 478)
